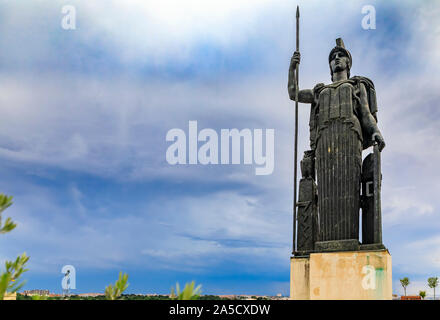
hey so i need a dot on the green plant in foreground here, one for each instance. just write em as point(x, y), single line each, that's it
point(10, 279)
point(113, 292)
point(5, 202)
point(433, 283)
point(188, 293)
point(422, 294)
point(405, 283)
point(38, 297)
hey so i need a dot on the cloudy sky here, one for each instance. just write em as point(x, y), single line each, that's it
point(85, 113)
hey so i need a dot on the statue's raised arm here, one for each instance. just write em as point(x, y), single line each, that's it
point(305, 95)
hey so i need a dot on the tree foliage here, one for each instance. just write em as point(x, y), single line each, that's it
point(10, 278)
point(5, 202)
point(405, 283)
point(188, 292)
point(114, 292)
point(433, 283)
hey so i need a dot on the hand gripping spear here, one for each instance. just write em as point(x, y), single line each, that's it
point(295, 170)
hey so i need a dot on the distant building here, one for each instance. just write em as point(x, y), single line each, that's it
point(228, 296)
point(410, 298)
point(36, 292)
point(90, 294)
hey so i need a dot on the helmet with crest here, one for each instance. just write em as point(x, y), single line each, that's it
point(340, 47)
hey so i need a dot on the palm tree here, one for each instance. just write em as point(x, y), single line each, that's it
point(432, 283)
point(422, 294)
point(405, 283)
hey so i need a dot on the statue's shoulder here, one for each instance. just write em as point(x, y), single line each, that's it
point(371, 92)
point(357, 80)
point(318, 88)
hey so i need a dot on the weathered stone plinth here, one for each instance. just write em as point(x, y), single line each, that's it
point(351, 275)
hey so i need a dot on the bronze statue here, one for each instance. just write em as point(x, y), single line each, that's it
point(343, 122)
point(307, 206)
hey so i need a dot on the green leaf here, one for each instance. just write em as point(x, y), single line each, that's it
point(113, 292)
point(8, 226)
point(188, 293)
point(10, 279)
point(5, 202)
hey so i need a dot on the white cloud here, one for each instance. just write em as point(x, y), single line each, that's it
point(199, 233)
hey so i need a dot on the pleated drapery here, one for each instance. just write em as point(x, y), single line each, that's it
point(338, 164)
point(338, 160)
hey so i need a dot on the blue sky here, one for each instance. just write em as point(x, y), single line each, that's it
point(85, 113)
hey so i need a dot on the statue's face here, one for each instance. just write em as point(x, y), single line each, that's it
point(339, 61)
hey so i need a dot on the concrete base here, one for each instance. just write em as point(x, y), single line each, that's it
point(355, 275)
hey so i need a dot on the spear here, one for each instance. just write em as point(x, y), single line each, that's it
point(295, 170)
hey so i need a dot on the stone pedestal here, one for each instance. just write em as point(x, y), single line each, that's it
point(350, 275)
